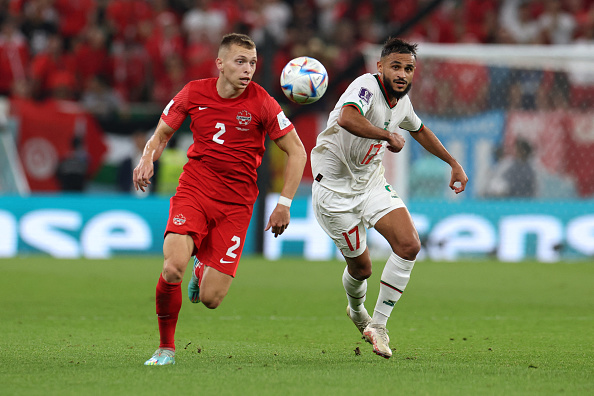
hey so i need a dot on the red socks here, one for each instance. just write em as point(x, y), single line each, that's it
point(168, 302)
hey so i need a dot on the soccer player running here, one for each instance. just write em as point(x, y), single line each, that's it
point(350, 192)
point(211, 209)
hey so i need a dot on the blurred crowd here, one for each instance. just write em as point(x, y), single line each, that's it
point(106, 54)
point(111, 55)
point(460, 88)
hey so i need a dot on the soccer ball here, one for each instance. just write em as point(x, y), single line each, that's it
point(304, 80)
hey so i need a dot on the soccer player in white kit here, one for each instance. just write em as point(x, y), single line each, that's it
point(350, 192)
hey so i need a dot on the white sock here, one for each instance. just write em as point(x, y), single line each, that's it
point(355, 291)
point(393, 282)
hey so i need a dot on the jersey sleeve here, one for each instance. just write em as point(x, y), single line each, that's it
point(274, 120)
point(359, 95)
point(411, 121)
point(176, 110)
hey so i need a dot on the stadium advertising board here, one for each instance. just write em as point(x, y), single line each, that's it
point(70, 226)
point(509, 230)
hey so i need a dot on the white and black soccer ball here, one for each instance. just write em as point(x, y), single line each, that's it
point(304, 80)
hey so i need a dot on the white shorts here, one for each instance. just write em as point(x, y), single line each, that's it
point(346, 218)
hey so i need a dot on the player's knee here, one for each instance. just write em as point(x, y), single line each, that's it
point(409, 249)
point(359, 267)
point(211, 301)
point(211, 304)
point(362, 273)
point(366, 273)
point(172, 273)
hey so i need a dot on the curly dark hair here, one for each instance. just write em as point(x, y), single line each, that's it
point(399, 46)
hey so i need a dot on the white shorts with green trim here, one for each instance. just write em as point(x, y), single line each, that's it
point(346, 218)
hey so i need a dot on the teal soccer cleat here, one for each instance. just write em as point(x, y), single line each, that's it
point(161, 357)
point(194, 285)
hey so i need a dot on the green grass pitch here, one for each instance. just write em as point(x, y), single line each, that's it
point(85, 327)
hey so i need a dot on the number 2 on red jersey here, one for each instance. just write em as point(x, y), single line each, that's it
point(217, 136)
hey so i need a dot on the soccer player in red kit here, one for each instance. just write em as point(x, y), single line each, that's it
point(212, 207)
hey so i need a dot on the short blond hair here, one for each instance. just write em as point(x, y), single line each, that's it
point(239, 39)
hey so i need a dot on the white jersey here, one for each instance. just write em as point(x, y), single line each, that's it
point(350, 164)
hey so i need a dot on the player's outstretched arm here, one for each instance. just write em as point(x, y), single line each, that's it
point(296, 159)
point(152, 151)
point(432, 144)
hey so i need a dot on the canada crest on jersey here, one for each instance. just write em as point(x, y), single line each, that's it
point(180, 219)
point(244, 117)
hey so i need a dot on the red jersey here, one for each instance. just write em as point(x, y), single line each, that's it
point(229, 136)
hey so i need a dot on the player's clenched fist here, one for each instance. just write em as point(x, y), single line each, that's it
point(395, 142)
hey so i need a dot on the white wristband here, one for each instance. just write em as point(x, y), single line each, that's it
point(285, 201)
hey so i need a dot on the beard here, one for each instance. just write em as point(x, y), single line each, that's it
point(392, 92)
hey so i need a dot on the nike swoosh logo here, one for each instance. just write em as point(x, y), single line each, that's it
point(202, 108)
point(226, 262)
